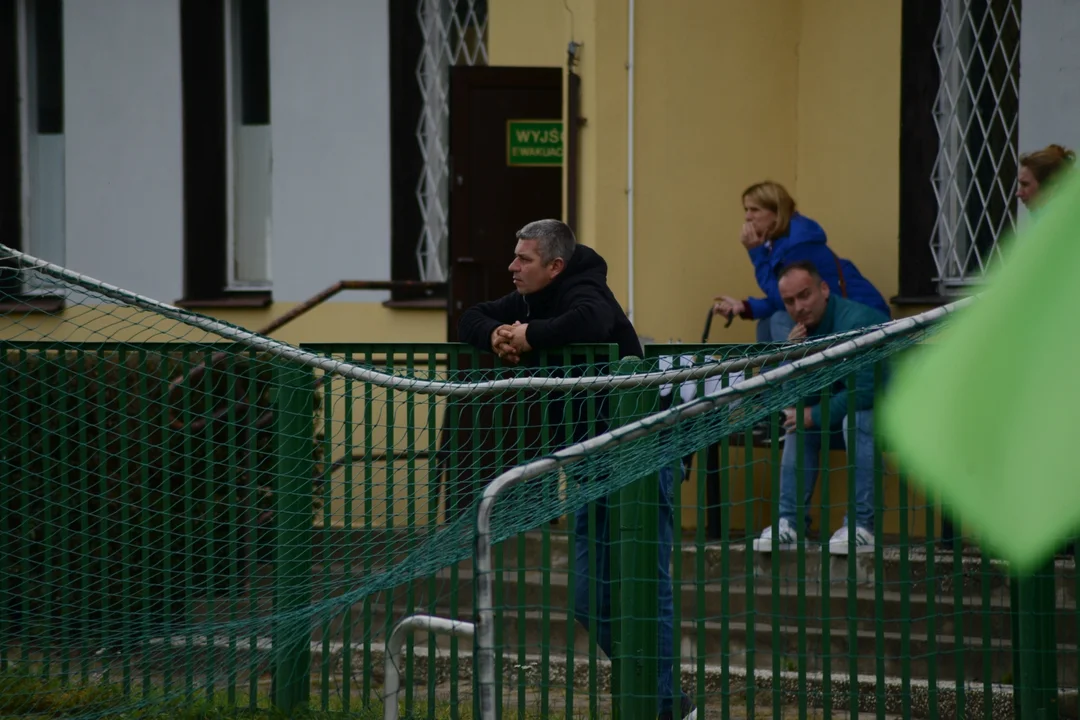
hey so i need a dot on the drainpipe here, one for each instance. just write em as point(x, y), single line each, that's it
point(630, 160)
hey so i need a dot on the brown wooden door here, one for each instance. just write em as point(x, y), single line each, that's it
point(490, 199)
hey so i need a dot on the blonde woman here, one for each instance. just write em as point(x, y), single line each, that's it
point(775, 235)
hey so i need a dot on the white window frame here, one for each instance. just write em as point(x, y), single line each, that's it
point(41, 164)
point(248, 163)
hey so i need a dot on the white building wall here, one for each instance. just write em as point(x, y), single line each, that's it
point(1049, 68)
point(330, 117)
point(122, 126)
point(330, 100)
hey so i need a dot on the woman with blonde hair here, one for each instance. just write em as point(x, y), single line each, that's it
point(775, 235)
point(1038, 171)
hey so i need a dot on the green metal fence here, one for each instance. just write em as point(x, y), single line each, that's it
point(139, 512)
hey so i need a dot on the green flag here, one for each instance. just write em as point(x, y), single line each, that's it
point(986, 415)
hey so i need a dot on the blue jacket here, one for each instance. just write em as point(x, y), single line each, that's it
point(805, 240)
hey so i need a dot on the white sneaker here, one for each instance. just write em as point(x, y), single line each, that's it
point(839, 544)
point(785, 535)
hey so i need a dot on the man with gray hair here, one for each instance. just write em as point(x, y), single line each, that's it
point(562, 297)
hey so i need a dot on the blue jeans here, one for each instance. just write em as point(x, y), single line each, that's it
point(775, 328)
point(603, 596)
point(864, 471)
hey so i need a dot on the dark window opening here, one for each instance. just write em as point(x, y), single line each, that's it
point(49, 60)
point(406, 162)
point(10, 145)
point(205, 127)
point(46, 118)
point(920, 79)
point(254, 35)
point(977, 170)
point(202, 71)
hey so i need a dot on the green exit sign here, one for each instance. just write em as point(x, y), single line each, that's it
point(534, 142)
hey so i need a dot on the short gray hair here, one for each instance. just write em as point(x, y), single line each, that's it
point(554, 239)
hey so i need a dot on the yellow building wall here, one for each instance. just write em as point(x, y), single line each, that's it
point(329, 322)
point(727, 93)
point(849, 130)
point(805, 92)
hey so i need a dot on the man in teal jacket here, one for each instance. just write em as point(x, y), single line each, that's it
point(816, 312)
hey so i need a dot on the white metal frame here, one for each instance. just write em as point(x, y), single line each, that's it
point(41, 161)
point(235, 164)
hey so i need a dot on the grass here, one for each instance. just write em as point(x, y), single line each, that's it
point(25, 693)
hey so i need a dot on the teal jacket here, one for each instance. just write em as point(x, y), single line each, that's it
point(843, 315)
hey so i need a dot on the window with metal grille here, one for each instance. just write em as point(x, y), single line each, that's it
point(976, 113)
point(427, 38)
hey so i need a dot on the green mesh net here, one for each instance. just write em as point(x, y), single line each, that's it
point(193, 513)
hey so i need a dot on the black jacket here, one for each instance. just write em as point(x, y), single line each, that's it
point(577, 307)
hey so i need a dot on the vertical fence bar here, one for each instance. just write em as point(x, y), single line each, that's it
point(165, 418)
point(206, 495)
point(349, 532)
point(250, 507)
point(126, 540)
point(675, 466)
point(69, 410)
point(86, 523)
point(521, 424)
point(232, 486)
point(6, 465)
point(389, 415)
point(545, 549)
point(369, 525)
point(105, 522)
point(774, 609)
point(326, 551)
point(986, 573)
point(853, 578)
point(959, 578)
point(594, 581)
point(826, 566)
point(458, 474)
point(293, 530)
point(462, 484)
point(434, 474)
point(800, 553)
point(25, 499)
point(189, 530)
point(146, 431)
point(879, 557)
point(932, 585)
point(750, 501)
point(48, 476)
point(905, 596)
point(410, 523)
point(637, 577)
point(6, 580)
point(724, 472)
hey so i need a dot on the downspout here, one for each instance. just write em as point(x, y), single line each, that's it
point(630, 161)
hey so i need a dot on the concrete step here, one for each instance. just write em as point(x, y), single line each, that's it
point(914, 698)
point(912, 565)
point(774, 639)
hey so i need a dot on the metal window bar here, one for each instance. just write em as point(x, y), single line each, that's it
point(976, 113)
point(455, 33)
